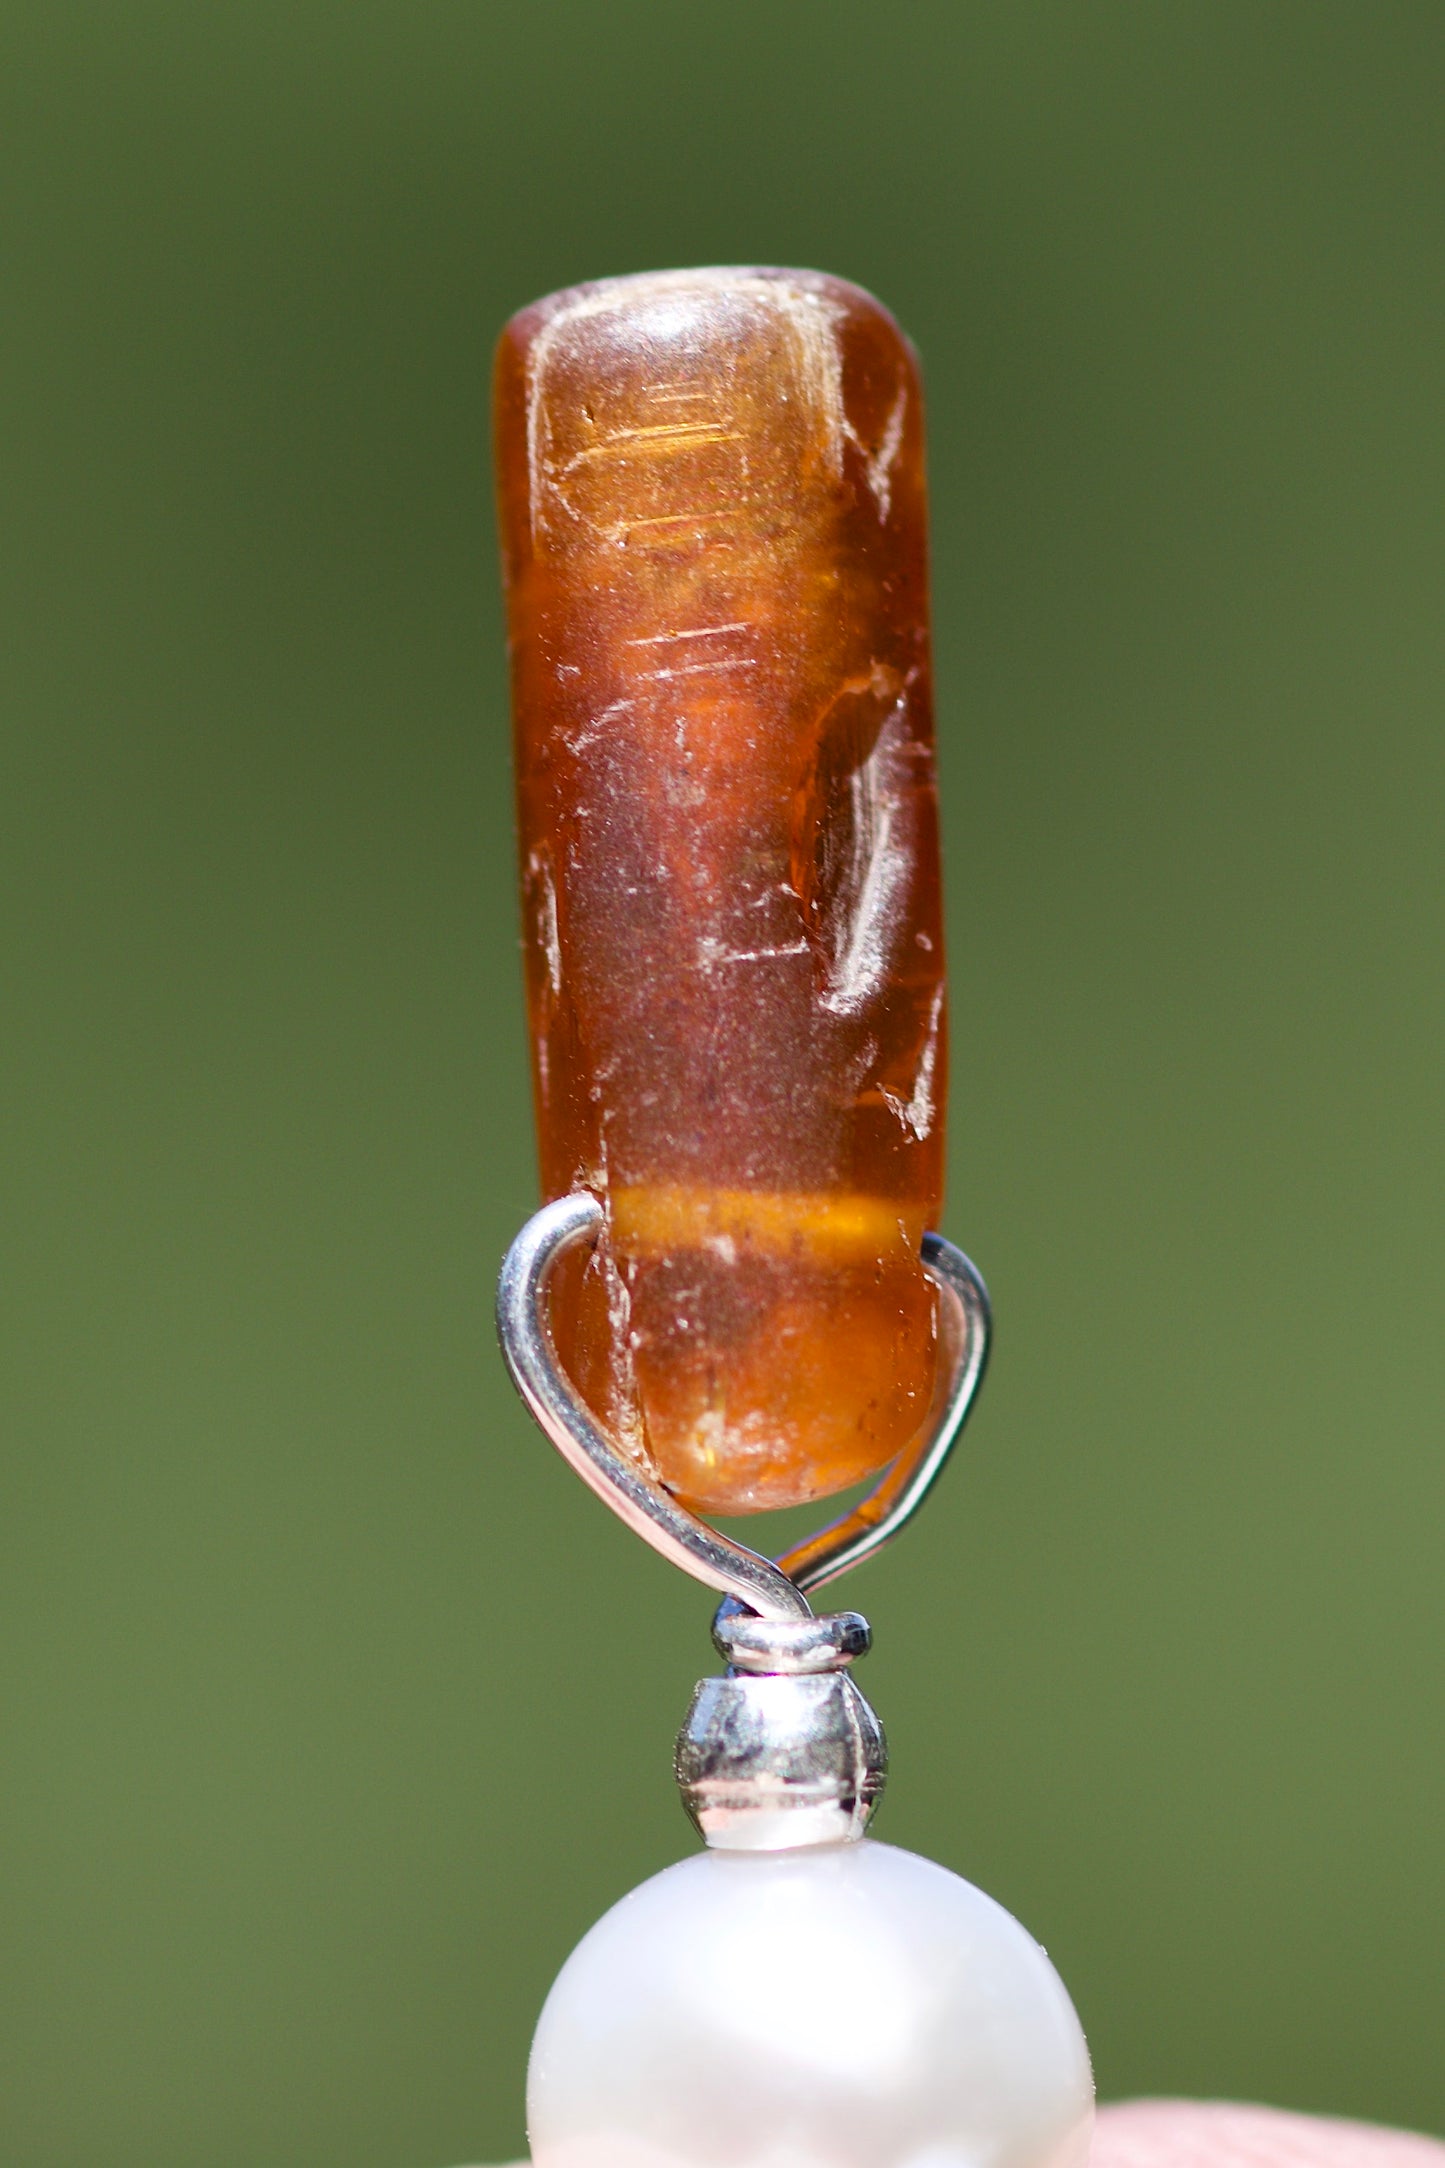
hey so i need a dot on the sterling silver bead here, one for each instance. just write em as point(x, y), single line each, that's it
point(785, 1752)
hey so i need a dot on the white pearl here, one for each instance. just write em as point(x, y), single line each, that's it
point(839, 2006)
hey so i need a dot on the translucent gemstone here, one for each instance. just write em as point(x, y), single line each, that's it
point(847, 2006)
point(713, 522)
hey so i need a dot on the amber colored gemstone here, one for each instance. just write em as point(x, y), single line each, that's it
point(714, 541)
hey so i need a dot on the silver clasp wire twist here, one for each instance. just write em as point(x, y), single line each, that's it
point(774, 1589)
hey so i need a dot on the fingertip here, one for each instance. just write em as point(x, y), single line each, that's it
point(1226, 2134)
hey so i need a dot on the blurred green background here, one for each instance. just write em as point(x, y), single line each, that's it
point(334, 1710)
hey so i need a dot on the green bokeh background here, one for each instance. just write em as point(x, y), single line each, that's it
point(333, 1709)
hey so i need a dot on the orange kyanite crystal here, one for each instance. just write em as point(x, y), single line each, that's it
point(713, 522)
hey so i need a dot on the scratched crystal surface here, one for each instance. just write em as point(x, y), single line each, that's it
point(713, 520)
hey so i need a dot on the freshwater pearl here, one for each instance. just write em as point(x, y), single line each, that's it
point(838, 2006)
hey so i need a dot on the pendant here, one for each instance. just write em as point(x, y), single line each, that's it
point(714, 544)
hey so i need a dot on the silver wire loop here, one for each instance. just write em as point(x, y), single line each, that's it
point(771, 1589)
point(634, 1496)
point(904, 1484)
point(789, 1648)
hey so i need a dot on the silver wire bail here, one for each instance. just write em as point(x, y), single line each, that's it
point(784, 1750)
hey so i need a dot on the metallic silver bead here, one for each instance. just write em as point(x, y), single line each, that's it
point(766, 1764)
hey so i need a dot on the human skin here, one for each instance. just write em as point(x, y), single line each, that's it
point(1223, 2134)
